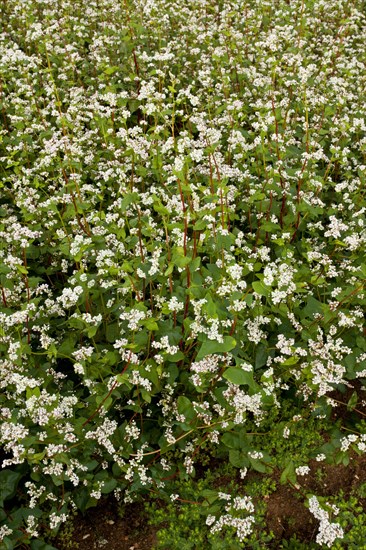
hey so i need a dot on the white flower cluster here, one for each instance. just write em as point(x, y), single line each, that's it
point(164, 345)
point(326, 366)
point(302, 470)
point(133, 316)
point(242, 403)
point(243, 526)
point(55, 520)
point(103, 433)
point(357, 441)
point(210, 364)
point(4, 532)
point(328, 532)
point(70, 296)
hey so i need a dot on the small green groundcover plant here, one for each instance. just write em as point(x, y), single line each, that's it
point(182, 248)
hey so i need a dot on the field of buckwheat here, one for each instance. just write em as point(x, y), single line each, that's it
point(183, 269)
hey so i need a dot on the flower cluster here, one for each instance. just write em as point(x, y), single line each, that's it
point(328, 531)
point(243, 526)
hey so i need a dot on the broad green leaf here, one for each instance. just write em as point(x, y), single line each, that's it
point(270, 226)
point(82, 499)
point(211, 346)
point(7, 543)
point(185, 407)
point(8, 483)
point(312, 307)
point(176, 357)
point(146, 396)
point(111, 70)
point(261, 356)
point(150, 324)
point(291, 360)
point(352, 402)
point(260, 288)
point(238, 376)
point(210, 495)
point(91, 331)
point(113, 332)
point(289, 473)
point(238, 458)
point(181, 261)
point(41, 545)
point(169, 269)
point(258, 465)
point(30, 392)
point(109, 486)
point(200, 224)
point(22, 269)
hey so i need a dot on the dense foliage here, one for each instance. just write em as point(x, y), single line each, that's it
point(182, 255)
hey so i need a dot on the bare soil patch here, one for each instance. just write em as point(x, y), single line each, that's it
point(104, 528)
point(107, 527)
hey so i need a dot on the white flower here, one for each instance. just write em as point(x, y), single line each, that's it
point(302, 470)
point(328, 532)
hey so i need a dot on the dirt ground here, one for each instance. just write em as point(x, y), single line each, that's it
point(103, 527)
point(286, 513)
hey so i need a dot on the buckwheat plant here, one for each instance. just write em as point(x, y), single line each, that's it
point(182, 223)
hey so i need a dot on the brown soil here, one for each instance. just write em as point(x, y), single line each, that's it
point(104, 528)
point(341, 411)
point(286, 512)
point(287, 515)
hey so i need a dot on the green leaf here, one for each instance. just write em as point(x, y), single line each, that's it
point(8, 484)
point(238, 376)
point(109, 486)
point(210, 495)
point(236, 440)
point(30, 392)
point(113, 332)
point(145, 395)
point(7, 544)
point(211, 346)
point(291, 361)
point(289, 473)
point(312, 307)
point(260, 288)
point(261, 356)
point(270, 226)
point(169, 269)
point(231, 440)
point(36, 458)
point(175, 357)
point(258, 465)
point(111, 70)
point(238, 458)
point(41, 545)
point(352, 402)
point(82, 499)
point(91, 331)
point(185, 407)
point(130, 198)
point(67, 346)
point(150, 324)
point(181, 261)
point(199, 225)
point(22, 269)
point(210, 307)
